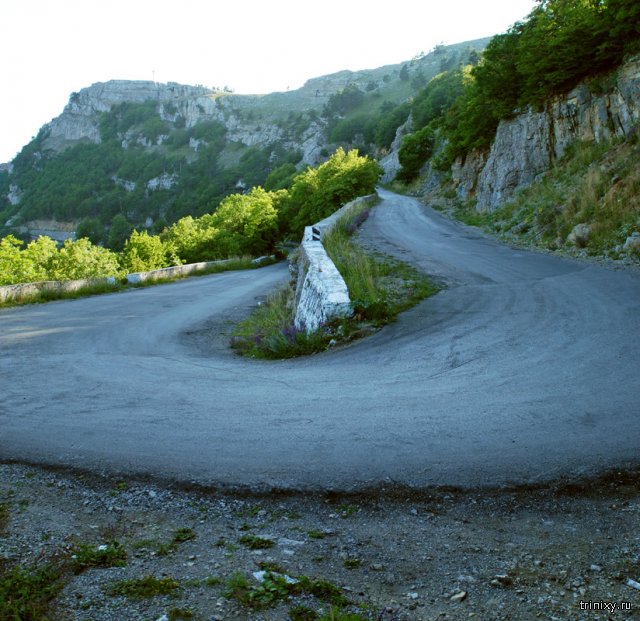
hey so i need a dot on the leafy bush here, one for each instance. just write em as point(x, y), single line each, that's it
point(318, 192)
point(250, 221)
point(41, 260)
point(25, 594)
point(416, 149)
point(143, 252)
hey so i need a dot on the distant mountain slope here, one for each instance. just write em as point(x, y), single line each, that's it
point(152, 153)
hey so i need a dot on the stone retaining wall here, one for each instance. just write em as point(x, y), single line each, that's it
point(9, 293)
point(173, 272)
point(22, 291)
point(321, 293)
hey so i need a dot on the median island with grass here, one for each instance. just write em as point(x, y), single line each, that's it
point(380, 287)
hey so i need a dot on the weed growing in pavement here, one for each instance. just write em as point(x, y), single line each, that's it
point(302, 613)
point(212, 581)
point(4, 516)
point(256, 543)
point(164, 548)
point(272, 567)
point(149, 586)
point(183, 534)
point(176, 614)
point(352, 563)
point(347, 510)
point(26, 594)
point(275, 587)
point(84, 556)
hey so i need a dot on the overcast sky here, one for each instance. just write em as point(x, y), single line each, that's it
point(50, 48)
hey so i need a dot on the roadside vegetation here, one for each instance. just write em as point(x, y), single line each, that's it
point(379, 287)
point(100, 287)
point(558, 45)
point(588, 201)
point(243, 224)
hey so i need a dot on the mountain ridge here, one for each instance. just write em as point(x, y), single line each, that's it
point(161, 151)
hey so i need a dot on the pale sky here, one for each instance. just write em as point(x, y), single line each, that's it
point(51, 48)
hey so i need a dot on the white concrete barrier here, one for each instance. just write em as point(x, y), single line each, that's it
point(321, 294)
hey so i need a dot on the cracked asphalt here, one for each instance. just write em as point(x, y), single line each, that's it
point(523, 369)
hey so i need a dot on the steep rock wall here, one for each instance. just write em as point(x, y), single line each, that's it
point(80, 117)
point(525, 146)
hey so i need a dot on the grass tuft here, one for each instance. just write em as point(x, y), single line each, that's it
point(256, 543)
point(27, 594)
point(149, 586)
point(86, 556)
point(4, 517)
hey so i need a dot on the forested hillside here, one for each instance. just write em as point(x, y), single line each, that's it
point(167, 173)
point(127, 155)
point(558, 45)
point(244, 224)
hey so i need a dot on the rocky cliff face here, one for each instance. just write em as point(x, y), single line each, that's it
point(526, 145)
point(80, 118)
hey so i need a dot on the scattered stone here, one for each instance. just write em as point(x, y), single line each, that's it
point(459, 597)
point(259, 576)
point(579, 235)
point(377, 567)
point(595, 567)
point(501, 580)
point(632, 243)
point(633, 584)
point(283, 541)
point(412, 595)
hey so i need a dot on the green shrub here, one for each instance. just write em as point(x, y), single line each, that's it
point(149, 586)
point(26, 594)
point(318, 192)
point(85, 556)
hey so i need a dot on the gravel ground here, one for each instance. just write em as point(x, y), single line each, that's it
point(395, 554)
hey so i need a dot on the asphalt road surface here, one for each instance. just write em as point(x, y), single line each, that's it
point(525, 368)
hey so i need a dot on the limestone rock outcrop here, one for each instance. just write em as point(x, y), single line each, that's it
point(526, 145)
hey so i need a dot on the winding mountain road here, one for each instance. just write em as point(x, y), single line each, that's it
point(524, 369)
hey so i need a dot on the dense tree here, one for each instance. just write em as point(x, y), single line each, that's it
point(41, 260)
point(344, 101)
point(92, 229)
point(559, 44)
point(119, 232)
point(81, 259)
point(250, 221)
point(281, 178)
point(318, 192)
point(437, 97)
point(143, 252)
point(416, 149)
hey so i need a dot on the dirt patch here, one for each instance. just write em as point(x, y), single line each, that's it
point(393, 554)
